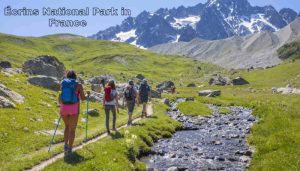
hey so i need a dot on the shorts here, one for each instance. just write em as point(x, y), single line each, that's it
point(144, 99)
point(130, 105)
point(69, 109)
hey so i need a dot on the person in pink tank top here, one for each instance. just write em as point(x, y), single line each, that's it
point(69, 114)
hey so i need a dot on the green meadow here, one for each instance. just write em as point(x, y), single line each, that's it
point(276, 138)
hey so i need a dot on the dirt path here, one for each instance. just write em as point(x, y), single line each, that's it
point(56, 157)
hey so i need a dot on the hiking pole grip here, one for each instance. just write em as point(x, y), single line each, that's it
point(54, 134)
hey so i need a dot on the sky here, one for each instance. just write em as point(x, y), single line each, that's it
point(39, 25)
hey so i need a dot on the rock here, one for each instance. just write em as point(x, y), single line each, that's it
point(45, 81)
point(5, 64)
point(140, 76)
point(5, 103)
point(25, 129)
point(96, 88)
point(6, 92)
point(45, 65)
point(210, 93)
point(12, 70)
point(102, 79)
point(172, 169)
point(96, 97)
point(191, 85)
point(219, 80)
point(166, 85)
point(166, 102)
point(239, 81)
point(155, 94)
point(93, 112)
point(286, 90)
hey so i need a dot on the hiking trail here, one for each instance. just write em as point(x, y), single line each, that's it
point(47, 162)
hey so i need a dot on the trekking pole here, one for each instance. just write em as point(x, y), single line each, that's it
point(87, 117)
point(54, 134)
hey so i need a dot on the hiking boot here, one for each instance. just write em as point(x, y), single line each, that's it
point(66, 147)
point(114, 129)
point(70, 151)
point(108, 132)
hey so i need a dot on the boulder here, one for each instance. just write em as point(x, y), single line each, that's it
point(96, 97)
point(45, 81)
point(99, 79)
point(96, 87)
point(6, 92)
point(166, 85)
point(286, 90)
point(93, 112)
point(5, 64)
point(155, 94)
point(166, 102)
point(140, 76)
point(219, 80)
point(45, 65)
point(12, 70)
point(239, 81)
point(5, 103)
point(191, 85)
point(210, 93)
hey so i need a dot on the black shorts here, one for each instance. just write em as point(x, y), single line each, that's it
point(130, 105)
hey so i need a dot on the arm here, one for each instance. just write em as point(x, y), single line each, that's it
point(117, 103)
point(81, 92)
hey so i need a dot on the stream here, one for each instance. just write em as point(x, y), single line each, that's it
point(216, 142)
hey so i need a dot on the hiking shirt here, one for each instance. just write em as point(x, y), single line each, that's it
point(113, 102)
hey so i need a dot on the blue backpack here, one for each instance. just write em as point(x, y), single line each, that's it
point(68, 91)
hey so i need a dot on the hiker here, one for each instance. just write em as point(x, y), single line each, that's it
point(130, 95)
point(69, 100)
point(144, 95)
point(110, 103)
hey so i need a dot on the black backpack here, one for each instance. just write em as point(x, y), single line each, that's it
point(129, 93)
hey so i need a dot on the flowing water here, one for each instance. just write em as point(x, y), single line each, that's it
point(217, 142)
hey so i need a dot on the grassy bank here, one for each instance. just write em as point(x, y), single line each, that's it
point(121, 150)
point(194, 108)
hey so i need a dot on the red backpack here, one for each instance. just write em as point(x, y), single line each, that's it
point(108, 95)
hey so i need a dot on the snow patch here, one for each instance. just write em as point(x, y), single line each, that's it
point(124, 36)
point(254, 26)
point(183, 22)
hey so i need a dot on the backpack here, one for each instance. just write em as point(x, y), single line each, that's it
point(68, 91)
point(144, 88)
point(129, 94)
point(108, 95)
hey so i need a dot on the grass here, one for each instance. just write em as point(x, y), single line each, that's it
point(224, 110)
point(121, 151)
point(98, 57)
point(194, 108)
point(21, 149)
point(276, 137)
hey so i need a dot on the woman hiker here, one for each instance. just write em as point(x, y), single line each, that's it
point(110, 103)
point(69, 100)
point(130, 95)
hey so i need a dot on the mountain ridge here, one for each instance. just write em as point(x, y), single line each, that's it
point(213, 20)
point(256, 50)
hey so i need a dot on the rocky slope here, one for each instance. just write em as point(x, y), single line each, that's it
point(216, 19)
point(256, 50)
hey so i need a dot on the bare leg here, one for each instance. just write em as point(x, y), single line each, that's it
point(66, 132)
point(73, 125)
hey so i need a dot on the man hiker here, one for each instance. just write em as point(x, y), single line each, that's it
point(144, 95)
point(69, 100)
point(130, 94)
point(110, 103)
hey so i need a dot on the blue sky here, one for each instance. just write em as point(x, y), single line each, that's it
point(38, 25)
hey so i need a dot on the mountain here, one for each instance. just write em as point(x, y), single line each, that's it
point(216, 19)
point(255, 50)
